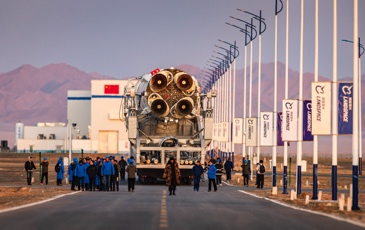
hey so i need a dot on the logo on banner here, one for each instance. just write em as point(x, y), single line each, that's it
point(309, 117)
point(251, 130)
point(345, 108)
point(237, 128)
point(347, 102)
point(266, 124)
point(237, 131)
point(320, 89)
point(289, 105)
point(289, 127)
point(307, 120)
point(321, 109)
point(321, 102)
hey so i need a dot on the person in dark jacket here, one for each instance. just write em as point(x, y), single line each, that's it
point(44, 166)
point(91, 171)
point(100, 177)
point(228, 167)
point(219, 173)
point(122, 164)
point(60, 174)
point(29, 166)
point(114, 178)
point(260, 170)
point(246, 171)
point(131, 170)
point(197, 173)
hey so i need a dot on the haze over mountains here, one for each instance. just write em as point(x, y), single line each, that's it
point(30, 95)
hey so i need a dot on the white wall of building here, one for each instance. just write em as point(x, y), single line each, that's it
point(78, 111)
point(98, 115)
point(108, 132)
point(32, 132)
point(40, 145)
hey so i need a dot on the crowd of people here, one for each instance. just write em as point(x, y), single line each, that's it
point(103, 174)
point(86, 174)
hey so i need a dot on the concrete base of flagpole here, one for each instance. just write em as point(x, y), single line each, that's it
point(274, 190)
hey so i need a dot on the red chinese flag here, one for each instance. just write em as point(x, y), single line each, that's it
point(111, 89)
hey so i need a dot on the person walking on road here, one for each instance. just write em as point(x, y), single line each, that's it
point(228, 167)
point(131, 170)
point(44, 166)
point(219, 173)
point(198, 171)
point(107, 170)
point(260, 169)
point(29, 166)
point(122, 164)
point(212, 176)
point(114, 178)
point(172, 175)
point(246, 171)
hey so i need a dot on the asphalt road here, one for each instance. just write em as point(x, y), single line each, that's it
point(150, 207)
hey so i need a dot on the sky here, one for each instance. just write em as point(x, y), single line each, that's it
point(122, 38)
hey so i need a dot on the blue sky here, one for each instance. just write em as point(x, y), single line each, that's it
point(124, 38)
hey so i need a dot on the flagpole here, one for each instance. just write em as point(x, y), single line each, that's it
point(315, 137)
point(355, 124)
point(285, 173)
point(300, 104)
point(334, 105)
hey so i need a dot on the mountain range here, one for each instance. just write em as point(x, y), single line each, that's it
point(30, 95)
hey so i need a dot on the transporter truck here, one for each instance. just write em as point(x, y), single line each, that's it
point(167, 116)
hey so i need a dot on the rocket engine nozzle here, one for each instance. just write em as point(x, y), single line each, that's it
point(183, 107)
point(160, 80)
point(160, 107)
point(184, 81)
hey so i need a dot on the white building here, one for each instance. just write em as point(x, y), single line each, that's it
point(95, 123)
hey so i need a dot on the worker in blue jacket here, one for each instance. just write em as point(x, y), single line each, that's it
point(107, 170)
point(86, 178)
point(197, 172)
point(71, 172)
point(80, 172)
point(211, 175)
point(60, 174)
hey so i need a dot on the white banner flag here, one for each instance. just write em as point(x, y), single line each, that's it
point(251, 132)
point(215, 131)
point(321, 108)
point(219, 131)
point(237, 131)
point(290, 120)
point(225, 131)
point(266, 129)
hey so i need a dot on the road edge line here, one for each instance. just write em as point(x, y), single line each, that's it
point(36, 203)
point(306, 210)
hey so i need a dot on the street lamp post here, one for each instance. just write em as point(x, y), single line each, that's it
point(253, 35)
point(233, 52)
point(248, 39)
